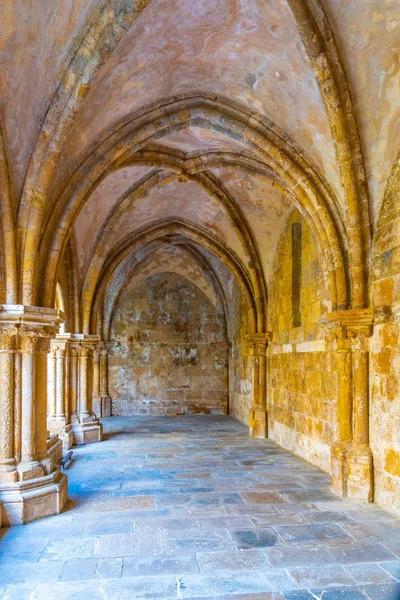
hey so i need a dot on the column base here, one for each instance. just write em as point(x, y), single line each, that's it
point(360, 479)
point(27, 501)
point(102, 406)
point(8, 471)
point(105, 406)
point(67, 437)
point(352, 472)
point(54, 450)
point(258, 423)
point(87, 433)
point(339, 469)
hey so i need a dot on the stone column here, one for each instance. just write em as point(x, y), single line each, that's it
point(96, 399)
point(259, 416)
point(44, 451)
point(31, 485)
point(29, 467)
point(60, 373)
point(341, 343)
point(83, 401)
point(359, 458)
point(86, 428)
point(73, 384)
point(105, 398)
point(51, 383)
point(352, 463)
point(58, 416)
point(8, 469)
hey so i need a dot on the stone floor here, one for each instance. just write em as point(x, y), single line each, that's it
point(191, 507)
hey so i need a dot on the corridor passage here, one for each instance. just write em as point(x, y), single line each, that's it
point(191, 507)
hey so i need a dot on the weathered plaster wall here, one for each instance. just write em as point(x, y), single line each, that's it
point(249, 51)
point(301, 372)
point(385, 356)
point(368, 34)
point(169, 353)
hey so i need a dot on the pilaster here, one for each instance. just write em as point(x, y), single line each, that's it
point(105, 398)
point(258, 422)
point(352, 461)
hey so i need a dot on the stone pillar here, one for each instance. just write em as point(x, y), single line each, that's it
point(51, 383)
point(8, 468)
point(28, 467)
point(31, 485)
point(258, 422)
point(105, 398)
point(84, 389)
point(73, 384)
point(58, 414)
point(352, 463)
point(60, 374)
point(96, 400)
point(86, 428)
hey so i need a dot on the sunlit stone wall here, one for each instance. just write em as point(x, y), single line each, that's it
point(302, 381)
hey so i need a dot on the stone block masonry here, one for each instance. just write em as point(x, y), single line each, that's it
point(169, 353)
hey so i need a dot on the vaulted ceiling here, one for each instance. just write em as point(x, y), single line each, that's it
point(86, 90)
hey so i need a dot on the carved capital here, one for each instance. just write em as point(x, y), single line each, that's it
point(8, 338)
point(84, 351)
point(258, 342)
point(353, 324)
point(43, 345)
point(61, 350)
point(28, 342)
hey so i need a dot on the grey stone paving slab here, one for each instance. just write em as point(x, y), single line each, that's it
point(220, 583)
point(277, 519)
point(118, 545)
point(385, 591)
point(19, 592)
point(66, 548)
point(81, 569)
point(369, 573)
point(305, 534)
point(30, 572)
point(321, 576)
point(232, 561)
point(69, 591)
point(160, 565)
point(191, 507)
point(254, 538)
point(22, 549)
point(353, 593)
point(295, 557)
point(356, 553)
point(392, 567)
point(327, 516)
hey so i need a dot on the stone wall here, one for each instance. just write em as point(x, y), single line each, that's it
point(301, 378)
point(385, 356)
point(169, 353)
point(240, 367)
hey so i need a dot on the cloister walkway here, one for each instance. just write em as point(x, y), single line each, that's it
point(191, 507)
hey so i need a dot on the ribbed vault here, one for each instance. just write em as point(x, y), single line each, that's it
point(247, 148)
